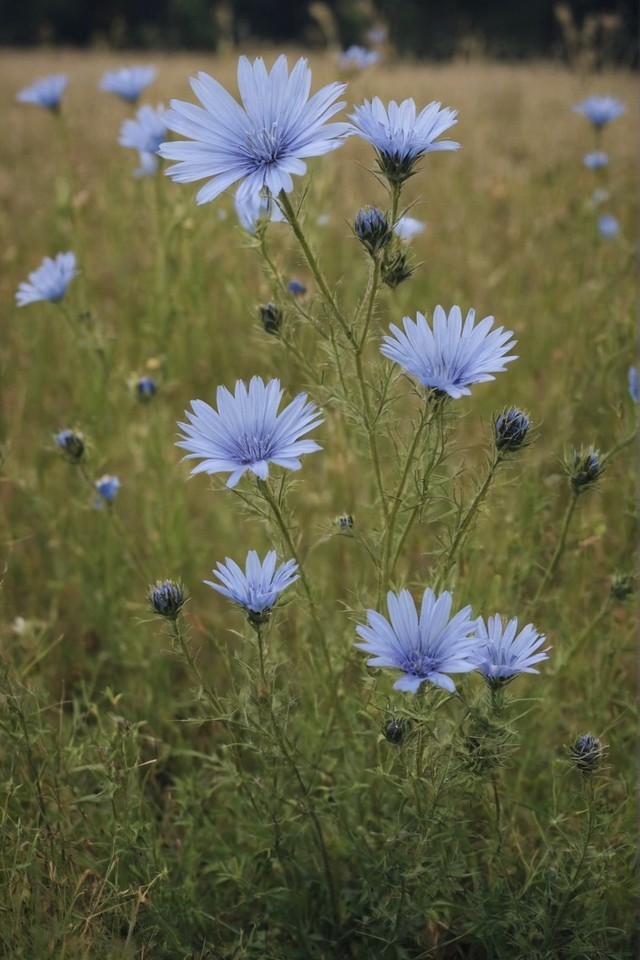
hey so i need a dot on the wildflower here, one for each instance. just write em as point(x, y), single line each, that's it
point(634, 387)
point(596, 160)
point(261, 143)
point(408, 227)
point(46, 92)
point(357, 58)
point(399, 136)
point(49, 281)
point(247, 432)
point(502, 653)
point(271, 318)
point(107, 488)
point(600, 110)
point(345, 524)
point(511, 430)
point(588, 753)
point(258, 588)
point(424, 647)
point(450, 357)
point(623, 585)
point(71, 444)
point(146, 388)
point(166, 598)
point(255, 208)
point(584, 468)
point(396, 269)
point(608, 226)
point(372, 229)
point(296, 289)
point(145, 134)
point(128, 82)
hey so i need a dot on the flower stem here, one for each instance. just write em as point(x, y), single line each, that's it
point(560, 547)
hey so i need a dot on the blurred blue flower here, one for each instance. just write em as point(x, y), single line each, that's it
point(49, 281)
point(71, 444)
point(357, 58)
point(107, 488)
point(247, 432)
point(450, 357)
point(425, 647)
point(502, 653)
point(254, 208)
point(600, 110)
point(377, 35)
point(408, 227)
point(128, 82)
point(145, 134)
point(146, 388)
point(634, 385)
point(399, 136)
point(596, 160)
point(263, 142)
point(296, 288)
point(46, 92)
point(258, 588)
point(608, 226)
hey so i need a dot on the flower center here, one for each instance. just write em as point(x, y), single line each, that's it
point(264, 145)
point(418, 664)
point(255, 448)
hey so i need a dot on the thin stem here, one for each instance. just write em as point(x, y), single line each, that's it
point(462, 529)
point(312, 260)
point(560, 546)
point(369, 297)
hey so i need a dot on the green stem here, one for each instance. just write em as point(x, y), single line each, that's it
point(560, 546)
point(464, 524)
point(620, 446)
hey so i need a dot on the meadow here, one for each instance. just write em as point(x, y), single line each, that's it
point(208, 786)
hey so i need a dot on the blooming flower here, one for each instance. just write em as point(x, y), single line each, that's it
point(263, 142)
point(400, 137)
point(424, 647)
point(596, 160)
point(107, 488)
point(258, 588)
point(634, 386)
point(408, 227)
point(128, 82)
point(145, 134)
point(166, 598)
point(247, 432)
point(49, 281)
point(608, 226)
point(46, 92)
point(450, 357)
point(502, 653)
point(600, 110)
point(252, 208)
point(357, 58)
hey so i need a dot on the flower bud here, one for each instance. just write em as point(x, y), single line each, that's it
point(271, 319)
point(372, 229)
point(146, 388)
point(396, 269)
point(166, 598)
point(394, 730)
point(511, 429)
point(622, 586)
point(71, 444)
point(588, 753)
point(584, 468)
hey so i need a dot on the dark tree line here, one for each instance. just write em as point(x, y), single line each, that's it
point(420, 28)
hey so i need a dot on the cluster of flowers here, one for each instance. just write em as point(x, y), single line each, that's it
point(600, 111)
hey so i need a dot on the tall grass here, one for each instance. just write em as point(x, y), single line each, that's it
point(196, 790)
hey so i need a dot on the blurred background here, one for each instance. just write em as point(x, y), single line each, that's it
point(606, 29)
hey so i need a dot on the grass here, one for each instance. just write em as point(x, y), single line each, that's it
point(157, 804)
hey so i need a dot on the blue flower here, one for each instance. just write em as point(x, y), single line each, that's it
point(600, 110)
point(425, 647)
point(296, 289)
point(71, 444)
point(107, 488)
point(167, 598)
point(408, 227)
point(146, 388)
point(357, 58)
point(263, 142)
point(128, 82)
point(46, 92)
point(258, 588)
point(145, 134)
point(502, 653)
point(247, 432)
point(49, 281)
point(255, 208)
point(596, 160)
point(450, 357)
point(399, 136)
point(608, 226)
point(634, 386)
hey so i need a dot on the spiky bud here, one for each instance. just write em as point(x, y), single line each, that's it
point(584, 468)
point(372, 229)
point(588, 753)
point(271, 319)
point(396, 269)
point(166, 598)
point(511, 430)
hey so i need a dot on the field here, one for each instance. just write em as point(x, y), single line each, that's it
point(212, 787)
